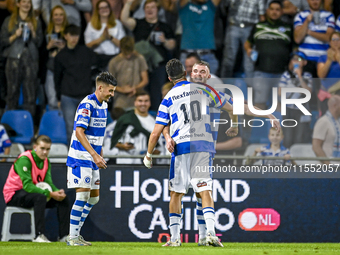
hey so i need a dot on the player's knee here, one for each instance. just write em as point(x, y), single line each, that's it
point(83, 196)
point(93, 200)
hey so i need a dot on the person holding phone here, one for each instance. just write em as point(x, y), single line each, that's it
point(55, 42)
point(21, 49)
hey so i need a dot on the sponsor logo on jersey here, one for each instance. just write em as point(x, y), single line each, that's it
point(97, 182)
point(76, 181)
point(85, 112)
point(185, 94)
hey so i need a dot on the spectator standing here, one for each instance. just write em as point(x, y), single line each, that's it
point(242, 16)
point(55, 42)
point(21, 35)
point(197, 18)
point(104, 32)
point(294, 77)
point(160, 36)
point(4, 12)
point(72, 75)
point(116, 7)
point(326, 134)
point(73, 9)
point(273, 40)
point(291, 8)
point(312, 31)
point(130, 70)
point(329, 71)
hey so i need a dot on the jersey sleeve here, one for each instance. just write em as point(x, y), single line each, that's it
point(84, 115)
point(163, 115)
point(218, 99)
point(4, 139)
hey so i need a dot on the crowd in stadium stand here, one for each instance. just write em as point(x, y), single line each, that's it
point(52, 50)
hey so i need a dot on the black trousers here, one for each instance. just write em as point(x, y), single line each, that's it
point(38, 201)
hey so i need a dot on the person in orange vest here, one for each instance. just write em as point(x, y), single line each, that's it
point(20, 189)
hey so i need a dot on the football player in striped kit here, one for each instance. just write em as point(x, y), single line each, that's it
point(186, 107)
point(85, 154)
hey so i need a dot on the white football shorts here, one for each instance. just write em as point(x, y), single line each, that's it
point(190, 170)
point(83, 177)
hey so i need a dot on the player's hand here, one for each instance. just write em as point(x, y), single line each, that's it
point(170, 144)
point(232, 131)
point(100, 162)
point(147, 162)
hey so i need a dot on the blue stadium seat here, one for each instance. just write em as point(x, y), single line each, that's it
point(22, 123)
point(52, 124)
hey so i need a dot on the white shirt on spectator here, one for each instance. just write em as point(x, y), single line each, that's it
point(107, 47)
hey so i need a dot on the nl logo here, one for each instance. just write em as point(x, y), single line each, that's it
point(259, 219)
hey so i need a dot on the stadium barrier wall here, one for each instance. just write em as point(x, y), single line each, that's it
point(134, 206)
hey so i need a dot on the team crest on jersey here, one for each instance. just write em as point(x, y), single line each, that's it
point(85, 112)
point(87, 106)
point(201, 184)
point(24, 169)
point(76, 181)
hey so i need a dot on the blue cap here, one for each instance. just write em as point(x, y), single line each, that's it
point(299, 54)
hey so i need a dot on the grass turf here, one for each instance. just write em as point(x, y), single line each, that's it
point(102, 248)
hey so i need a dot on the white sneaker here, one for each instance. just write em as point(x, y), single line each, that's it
point(41, 239)
point(213, 240)
point(75, 241)
point(176, 243)
point(83, 240)
point(63, 239)
point(202, 242)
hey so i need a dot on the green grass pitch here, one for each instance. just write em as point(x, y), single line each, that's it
point(117, 248)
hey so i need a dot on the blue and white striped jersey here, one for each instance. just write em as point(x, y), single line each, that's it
point(4, 139)
point(337, 24)
point(92, 116)
point(312, 47)
point(186, 106)
point(267, 151)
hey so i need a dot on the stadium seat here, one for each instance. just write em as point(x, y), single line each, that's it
point(60, 150)
point(6, 224)
point(250, 150)
point(15, 150)
point(52, 124)
point(303, 150)
point(22, 123)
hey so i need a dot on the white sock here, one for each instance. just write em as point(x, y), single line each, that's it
point(200, 218)
point(175, 220)
point(209, 217)
point(87, 208)
point(76, 212)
